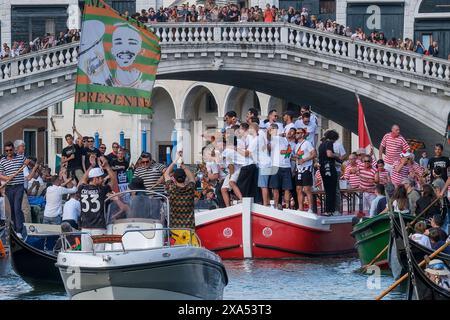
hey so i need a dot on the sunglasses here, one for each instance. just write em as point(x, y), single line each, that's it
point(145, 162)
point(9, 150)
point(102, 148)
point(90, 141)
point(367, 161)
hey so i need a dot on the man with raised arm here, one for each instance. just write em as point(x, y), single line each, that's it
point(181, 190)
point(93, 194)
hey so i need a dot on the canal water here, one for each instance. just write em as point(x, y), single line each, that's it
point(299, 279)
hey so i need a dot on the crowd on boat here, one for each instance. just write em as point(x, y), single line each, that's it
point(283, 156)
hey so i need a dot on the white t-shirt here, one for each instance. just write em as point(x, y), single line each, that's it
point(303, 150)
point(262, 157)
point(280, 152)
point(339, 149)
point(287, 128)
point(53, 197)
point(243, 145)
point(421, 239)
point(72, 210)
point(39, 179)
point(26, 173)
point(311, 128)
point(280, 127)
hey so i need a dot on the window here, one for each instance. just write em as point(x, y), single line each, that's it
point(57, 110)
point(97, 111)
point(128, 145)
point(58, 145)
point(30, 139)
point(327, 6)
point(86, 111)
point(50, 26)
point(427, 40)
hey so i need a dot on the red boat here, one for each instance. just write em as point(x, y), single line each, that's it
point(249, 230)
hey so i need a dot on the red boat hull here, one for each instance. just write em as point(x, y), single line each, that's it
point(252, 231)
point(273, 238)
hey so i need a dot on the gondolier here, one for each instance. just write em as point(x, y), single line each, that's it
point(93, 195)
point(9, 166)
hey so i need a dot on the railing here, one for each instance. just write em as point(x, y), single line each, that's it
point(193, 240)
point(53, 58)
point(283, 35)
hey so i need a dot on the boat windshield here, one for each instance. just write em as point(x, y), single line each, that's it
point(136, 204)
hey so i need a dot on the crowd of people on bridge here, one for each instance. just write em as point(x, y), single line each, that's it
point(229, 13)
point(281, 155)
point(233, 13)
point(40, 43)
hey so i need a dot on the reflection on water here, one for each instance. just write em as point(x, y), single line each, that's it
point(299, 279)
point(302, 279)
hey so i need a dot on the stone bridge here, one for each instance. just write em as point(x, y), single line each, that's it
point(297, 64)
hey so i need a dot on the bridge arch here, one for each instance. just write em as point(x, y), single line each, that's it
point(241, 100)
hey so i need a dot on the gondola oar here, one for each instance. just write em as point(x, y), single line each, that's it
point(405, 276)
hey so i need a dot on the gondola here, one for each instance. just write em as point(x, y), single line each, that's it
point(5, 265)
point(36, 267)
point(398, 261)
point(420, 287)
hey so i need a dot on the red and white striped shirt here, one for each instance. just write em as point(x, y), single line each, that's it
point(407, 170)
point(394, 146)
point(318, 178)
point(384, 177)
point(367, 178)
point(352, 178)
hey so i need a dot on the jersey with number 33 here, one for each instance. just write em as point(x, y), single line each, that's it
point(92, 206)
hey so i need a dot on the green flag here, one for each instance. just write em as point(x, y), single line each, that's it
point(117, 62)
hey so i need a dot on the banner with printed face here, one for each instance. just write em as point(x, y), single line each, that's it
point(117, 62)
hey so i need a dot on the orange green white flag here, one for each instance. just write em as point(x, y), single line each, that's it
point(117, 62)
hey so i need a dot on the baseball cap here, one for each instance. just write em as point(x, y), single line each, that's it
point(95, 172)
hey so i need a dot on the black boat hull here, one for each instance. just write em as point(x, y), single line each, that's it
point(420, 287)
point(398, 261)
point(36, 267)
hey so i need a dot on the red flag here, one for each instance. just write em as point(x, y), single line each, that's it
point(363, 132)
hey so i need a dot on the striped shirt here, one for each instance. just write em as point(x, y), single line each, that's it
point(384, 177)
point(151, 175)
point(9, 167)
point(394, 146)
point(352, 178)
point(367, 178)
point(398, 177)
point(318, 178)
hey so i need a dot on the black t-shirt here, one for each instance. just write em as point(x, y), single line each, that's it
point(111, 157)
point(442, 162)
point(120, 167)
point(93, 206)
point(323, 158)
point(87, 154)
point(76, 162)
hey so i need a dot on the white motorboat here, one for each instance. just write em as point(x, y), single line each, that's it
point(140, 259)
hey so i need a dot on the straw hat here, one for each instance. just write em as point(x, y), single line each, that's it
point(437, 267)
